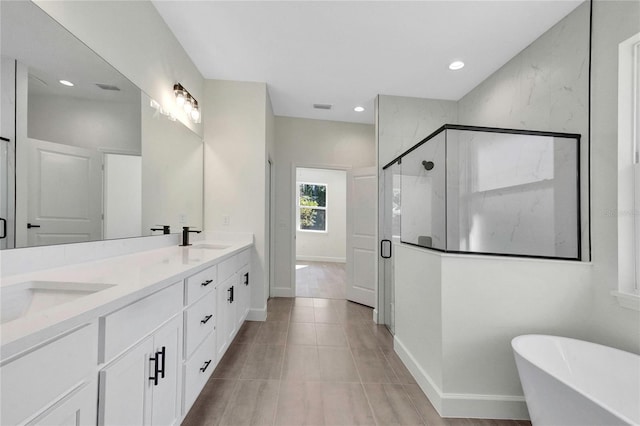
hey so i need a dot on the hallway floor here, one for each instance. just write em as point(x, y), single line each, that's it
point(316, 362)
point(326, 280)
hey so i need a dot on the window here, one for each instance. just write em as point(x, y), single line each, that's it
point(628, 213)
point(312, 207)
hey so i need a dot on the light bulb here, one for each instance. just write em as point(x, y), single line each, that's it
point(180, 98)
point(358, 109)
point(195, 114)
point(188, 105)
point(456, 65)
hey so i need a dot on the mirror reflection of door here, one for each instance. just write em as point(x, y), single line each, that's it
point(64, 199)
point(122, 183)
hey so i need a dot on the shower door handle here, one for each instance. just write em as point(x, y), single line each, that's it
point(4, 228)
point(382, 246)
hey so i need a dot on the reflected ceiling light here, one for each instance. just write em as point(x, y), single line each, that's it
point(358, 109)
point(456, 65)
point(187, 102)
point(66, 83)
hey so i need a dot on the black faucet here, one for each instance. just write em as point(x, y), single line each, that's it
point(165, 229)
point(185, 235)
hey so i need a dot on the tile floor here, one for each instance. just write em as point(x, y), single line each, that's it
point(315, 362)
point(326, 280)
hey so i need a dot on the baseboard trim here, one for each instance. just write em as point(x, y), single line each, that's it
point(321, 259)
point(257, 314)
point(462, 405)
point(282, 292)
point(375, 316)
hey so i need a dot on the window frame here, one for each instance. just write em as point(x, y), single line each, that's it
point(325, 208)
point(628, 213)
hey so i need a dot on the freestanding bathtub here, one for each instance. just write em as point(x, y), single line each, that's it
point(572, 382)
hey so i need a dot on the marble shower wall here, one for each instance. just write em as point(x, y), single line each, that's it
point(545, 87)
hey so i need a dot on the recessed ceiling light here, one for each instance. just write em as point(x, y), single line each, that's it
point(456, 65)
point(358, 109)
point(66, 83)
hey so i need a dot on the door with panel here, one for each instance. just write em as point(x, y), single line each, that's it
point(362, 192)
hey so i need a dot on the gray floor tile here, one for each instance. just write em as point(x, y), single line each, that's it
point(346, 404)
point(301, 363)
point(232, 362)
point(300, 403)
point(253, 403)
point(210, 405)
point(330, 335)
point(373, 366)
point(336, 364)
point(263, 362)
point(302, 334)
point(272, 333)
point(391, 405)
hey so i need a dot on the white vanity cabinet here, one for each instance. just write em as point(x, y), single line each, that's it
point(141, 385)
point(44, 382)
point(200, 330)
point(234, 298)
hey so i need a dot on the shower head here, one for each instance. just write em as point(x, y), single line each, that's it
point(428, 165)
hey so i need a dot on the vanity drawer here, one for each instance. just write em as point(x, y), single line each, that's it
point(244, 258)
point(226, 268)
point(33, 381)
point(194, 377)
point(126, 326)
point(200, 284)
point(199, 321)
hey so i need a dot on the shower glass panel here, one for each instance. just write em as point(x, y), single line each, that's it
point(423, 219)
point(493, 191)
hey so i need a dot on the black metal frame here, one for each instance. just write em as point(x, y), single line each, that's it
point(576, 136)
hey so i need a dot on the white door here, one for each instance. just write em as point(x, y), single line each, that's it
point(362, 206)
point(122, 196)
point(64, 194)
point(4, 192)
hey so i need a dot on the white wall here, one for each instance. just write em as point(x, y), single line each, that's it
point(85, 123)
point(613, 22)
point(311, 143)
point(133, 37)
point(235, 163)
point(327, 246)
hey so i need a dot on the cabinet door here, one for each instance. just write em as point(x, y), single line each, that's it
point(244, 299)
point(226, 320)
point(125, 396)
point(79, 408)
point(165, 405)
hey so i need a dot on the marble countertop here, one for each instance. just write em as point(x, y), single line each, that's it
point(132, 277)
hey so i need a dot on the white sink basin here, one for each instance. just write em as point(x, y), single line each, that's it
point(212, 246)
point(31, 297)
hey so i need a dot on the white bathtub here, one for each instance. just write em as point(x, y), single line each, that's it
point(572, 382)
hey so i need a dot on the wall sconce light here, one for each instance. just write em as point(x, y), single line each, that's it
point(187, 102)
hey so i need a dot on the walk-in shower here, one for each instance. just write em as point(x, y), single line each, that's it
point(483, 190)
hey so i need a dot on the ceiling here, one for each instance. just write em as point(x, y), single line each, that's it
point(345, 53)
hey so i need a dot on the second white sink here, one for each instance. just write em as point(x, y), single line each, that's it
point(31, 297)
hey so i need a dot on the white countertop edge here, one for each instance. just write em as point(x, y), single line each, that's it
point(23, 334)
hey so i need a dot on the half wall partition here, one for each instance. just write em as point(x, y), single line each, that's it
point(481, 190)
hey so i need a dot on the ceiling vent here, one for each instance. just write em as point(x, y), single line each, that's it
point(108, 87)
point(322, 106)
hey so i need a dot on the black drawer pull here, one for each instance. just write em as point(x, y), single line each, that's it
point(206, 319)
point(206, 283)
point(205, 366)
point(246, 278)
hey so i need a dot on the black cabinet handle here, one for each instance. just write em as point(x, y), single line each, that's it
point(29, 226)
point(4, 228)
point(246, 278)
point(205, 366)
point(206, 319)
point(382, 242)
point(206, 283)
point(156, 369)
point(230, 291)
point(164, 354)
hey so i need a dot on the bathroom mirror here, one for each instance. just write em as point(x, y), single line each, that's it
point(85, 155)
